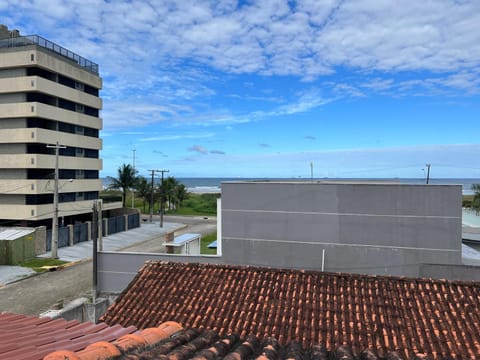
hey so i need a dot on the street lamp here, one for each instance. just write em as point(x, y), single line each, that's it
point(133, 192)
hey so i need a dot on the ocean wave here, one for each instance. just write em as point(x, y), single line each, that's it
point(205, 189)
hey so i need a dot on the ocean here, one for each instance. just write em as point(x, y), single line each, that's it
point(213, 184)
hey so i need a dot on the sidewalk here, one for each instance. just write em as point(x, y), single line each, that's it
point(84, 250)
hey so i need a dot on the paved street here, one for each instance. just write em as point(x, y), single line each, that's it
point(36, 294)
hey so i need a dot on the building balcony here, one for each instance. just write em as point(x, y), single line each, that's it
point(31, 187)
point(41, 212)
point(44, 136)
point(36, 109)
point(39, 84)
point(39, 161)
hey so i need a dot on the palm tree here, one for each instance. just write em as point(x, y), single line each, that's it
point(476, 197)
point(125, 181)
point(167, 191)
point(181, 193)
point(144, 189)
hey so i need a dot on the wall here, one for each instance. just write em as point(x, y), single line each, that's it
point(374, 228)
point(40, 240)
point(450, 272)
point(116, 270)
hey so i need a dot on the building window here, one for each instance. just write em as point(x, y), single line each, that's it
point(79, 108)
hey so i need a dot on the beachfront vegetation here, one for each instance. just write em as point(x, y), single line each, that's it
point(193, 204)
point(476, 197)
point(197, 204)
point(125, 180)
point(143, 190)
point(171, 193)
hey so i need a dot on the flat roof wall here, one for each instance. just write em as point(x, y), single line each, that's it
point(374, 228)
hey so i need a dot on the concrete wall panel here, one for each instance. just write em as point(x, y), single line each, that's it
point(116, 270)
point(364, 227)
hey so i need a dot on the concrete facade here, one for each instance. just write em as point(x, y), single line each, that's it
point(373, 228)
point(47, 95)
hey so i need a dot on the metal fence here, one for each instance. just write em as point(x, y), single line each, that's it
point(133, 221)
point(47, 44)
point(63, 237)
point(80, 231)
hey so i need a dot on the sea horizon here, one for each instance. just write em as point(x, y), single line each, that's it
point(213, 184)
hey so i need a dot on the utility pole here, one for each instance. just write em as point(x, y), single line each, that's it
point(100, 224)
point(94, 257)
point(151, 196)
point(162, 200)
point(133, 192)
point(54, 243)
point(311, 170)
point(428, 172)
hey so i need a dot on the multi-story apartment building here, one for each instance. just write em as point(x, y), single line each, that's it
point(48, 96)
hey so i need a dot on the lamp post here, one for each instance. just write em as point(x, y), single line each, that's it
point(162, 198)
point(54, 244)
point(133, 192)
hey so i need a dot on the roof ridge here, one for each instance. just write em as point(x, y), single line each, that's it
point(257, 268)
point(107, 350)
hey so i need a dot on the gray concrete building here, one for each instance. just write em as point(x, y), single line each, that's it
point(382, 228)
point(48, 95)
point(359, 227)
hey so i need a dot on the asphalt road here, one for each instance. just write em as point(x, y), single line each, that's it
point(34, 295)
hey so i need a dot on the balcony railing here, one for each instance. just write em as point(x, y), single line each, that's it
point(47, 44)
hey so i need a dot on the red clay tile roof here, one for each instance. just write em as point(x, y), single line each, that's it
point(208, 345)
point(31, 338)
point(410, 316)
point(103, 350)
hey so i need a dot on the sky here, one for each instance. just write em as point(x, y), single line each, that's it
point(330, 88)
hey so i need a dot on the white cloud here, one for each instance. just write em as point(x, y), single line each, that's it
point(199, 149)
point(173, 137)
point(165, 51)
point(267, 36)
point(217, 152)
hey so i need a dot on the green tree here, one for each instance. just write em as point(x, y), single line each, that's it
point(172, 193)
point(144, 190)
point(168, 191)
point(181, 193)
point(476, 197)
point(125, 180)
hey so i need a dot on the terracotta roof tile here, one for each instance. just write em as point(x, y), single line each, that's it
point(380, 313)
point(30, 337)
point(203, 344)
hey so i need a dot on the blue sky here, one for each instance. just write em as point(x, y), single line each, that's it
point(358, 88)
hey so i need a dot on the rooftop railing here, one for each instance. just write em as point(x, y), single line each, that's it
point(47, 44)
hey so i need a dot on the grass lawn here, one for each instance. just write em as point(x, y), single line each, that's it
point(194, 204)
point(37, 264)
point(198, 204)
point(206, 240)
